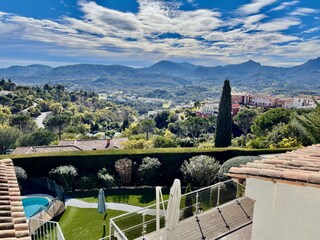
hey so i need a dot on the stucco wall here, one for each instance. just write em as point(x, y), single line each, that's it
point(284, 212)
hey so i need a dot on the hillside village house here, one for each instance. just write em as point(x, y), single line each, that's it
point(74, 145)
point(212, 109)
point(286, 191)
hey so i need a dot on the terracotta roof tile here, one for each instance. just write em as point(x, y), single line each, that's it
point(13, 223)
point(302, 165)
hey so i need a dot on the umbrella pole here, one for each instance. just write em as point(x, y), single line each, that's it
point(158, 189)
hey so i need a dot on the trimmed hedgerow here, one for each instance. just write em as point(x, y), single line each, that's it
point(39, 165)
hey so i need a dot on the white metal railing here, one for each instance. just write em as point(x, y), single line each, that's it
point(48, 230)
point(134, 225)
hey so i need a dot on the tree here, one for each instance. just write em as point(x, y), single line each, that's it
point(23, 122)
point(147, 126)
point(58, 123)
point(161, 119)
point(311, 124)
point(224, 121)
point(8, 137)
point(40, 137)
point(195, 126)
point(264, 123)
point(125, 124)
point(4, 101)
point(201, 170)
point(244, 120)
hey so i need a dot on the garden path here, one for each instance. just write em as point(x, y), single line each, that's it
point(73, 202)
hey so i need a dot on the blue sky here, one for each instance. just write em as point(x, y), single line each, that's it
point(141, 32)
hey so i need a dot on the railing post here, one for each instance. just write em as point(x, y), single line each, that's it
point(197, 204)
point(143, 225)
point(218, 196)
point(110, 230)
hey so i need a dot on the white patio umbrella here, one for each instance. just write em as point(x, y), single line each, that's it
point(173, 212)
point(101, 202)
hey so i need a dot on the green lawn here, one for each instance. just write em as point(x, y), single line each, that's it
point(167, 104)
point(84, 223)
point(139, 196)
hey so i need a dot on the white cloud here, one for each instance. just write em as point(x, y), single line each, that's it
point(279, 24)
point(304, 11)
point(255, 6)
point(284, 5)
point(312, 30)
point(104, 33)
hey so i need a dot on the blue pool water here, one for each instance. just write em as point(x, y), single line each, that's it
point(32, 204)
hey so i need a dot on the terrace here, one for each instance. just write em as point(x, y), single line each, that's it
point(214, 212)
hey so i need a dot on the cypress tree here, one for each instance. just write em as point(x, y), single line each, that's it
point(224, 120)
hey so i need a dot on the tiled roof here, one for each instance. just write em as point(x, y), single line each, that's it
point(13, 224)
point(43, 149)
point(299, 166)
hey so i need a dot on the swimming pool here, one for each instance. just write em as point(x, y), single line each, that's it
point(31, 205)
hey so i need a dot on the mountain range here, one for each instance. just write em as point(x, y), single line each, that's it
point(167, 73)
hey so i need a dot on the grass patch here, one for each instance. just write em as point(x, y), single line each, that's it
point(138, 197)
point(84, 223)
point(167, 104)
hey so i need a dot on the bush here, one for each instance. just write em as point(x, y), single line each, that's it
point(106, 180)
point(20, 173)
point(124, 169)
point(149, 170)
point(164, 142)
point(186, 142)
point(202, 170)
point(92, 161)
point(87, 182)
point(136, 144)
point(234, 162)
point(65, 176)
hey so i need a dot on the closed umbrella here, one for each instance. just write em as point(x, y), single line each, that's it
point(101, 202)
point(173, 212)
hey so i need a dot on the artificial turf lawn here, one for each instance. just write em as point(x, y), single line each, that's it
point(138, 197)
point(84, 223)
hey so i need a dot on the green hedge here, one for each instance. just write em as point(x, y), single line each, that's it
point(39, 165)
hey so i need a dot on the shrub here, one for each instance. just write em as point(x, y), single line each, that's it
point(149, 170)
point(186, 142)
point(65, 176)
point(136, 144)
point(164, 142)
point(202, 170)
point(20, 173)
point(124, 169)
point(87, 182)
point(234, 162)
point(106, 180)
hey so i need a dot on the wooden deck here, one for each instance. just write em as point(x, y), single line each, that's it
point(213, 225)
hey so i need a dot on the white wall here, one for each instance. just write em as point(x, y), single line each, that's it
point(284, 212)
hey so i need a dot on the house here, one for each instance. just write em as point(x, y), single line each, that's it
point(241, 98)
point(260, 100)
point(212, 109)
point(303, 101)
point(286, 192)
point(13, 224)
point(74, 145)
point(208, 109)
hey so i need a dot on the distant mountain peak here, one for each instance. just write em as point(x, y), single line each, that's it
point(252, 63)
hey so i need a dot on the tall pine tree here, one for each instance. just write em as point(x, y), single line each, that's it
point(224, 120)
